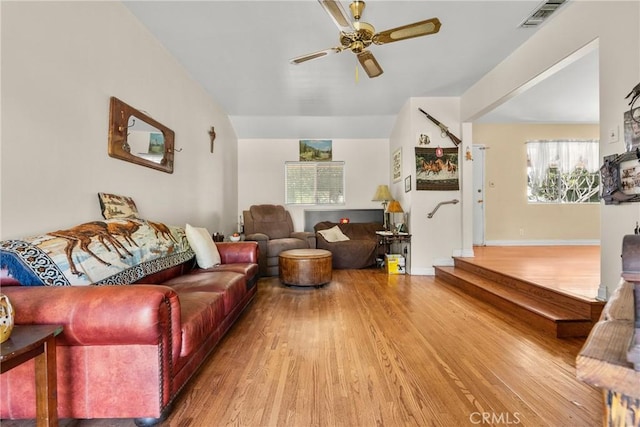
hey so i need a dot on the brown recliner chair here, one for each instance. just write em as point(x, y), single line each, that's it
point(272, 228)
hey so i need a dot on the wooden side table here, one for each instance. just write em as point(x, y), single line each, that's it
point(36, 342)
point(386, 242)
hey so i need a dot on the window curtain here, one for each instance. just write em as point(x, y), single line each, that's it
point(565, 155)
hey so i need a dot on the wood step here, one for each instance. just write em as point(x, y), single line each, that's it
point(581, 305)
point(549, 317)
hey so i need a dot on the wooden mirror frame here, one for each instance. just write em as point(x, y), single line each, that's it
point(120, 117)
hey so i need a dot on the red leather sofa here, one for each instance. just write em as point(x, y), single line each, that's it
point(127, 351)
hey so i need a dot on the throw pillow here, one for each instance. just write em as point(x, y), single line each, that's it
point(333, 234)
point(201, 242)
point(115, 206)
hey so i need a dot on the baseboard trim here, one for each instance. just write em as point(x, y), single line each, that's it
point(423, 271)
point(465, 253)
point(603, 294)
point(443, 261)
point(541, 242)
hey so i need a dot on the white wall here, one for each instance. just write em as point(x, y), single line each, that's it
point(261, 173)
point(61, 62)
point(616, 26)
point(367, 164)
point(434, 241)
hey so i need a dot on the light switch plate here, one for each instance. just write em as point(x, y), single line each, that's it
point(613, 134)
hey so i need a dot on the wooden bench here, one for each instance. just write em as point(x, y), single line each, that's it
point(610, 358)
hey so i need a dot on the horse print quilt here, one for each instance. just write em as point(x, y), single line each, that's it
point(113, 251)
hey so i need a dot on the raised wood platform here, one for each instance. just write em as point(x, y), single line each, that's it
point(562, 314)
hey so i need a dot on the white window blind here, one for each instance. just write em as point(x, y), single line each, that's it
point(314, 183)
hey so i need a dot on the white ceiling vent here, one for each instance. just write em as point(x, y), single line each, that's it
point(541, 13)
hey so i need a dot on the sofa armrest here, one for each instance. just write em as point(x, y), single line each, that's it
point(238, 252)
point(258, 237)
point(262, 240)
point(101, 315)
point(306, 235)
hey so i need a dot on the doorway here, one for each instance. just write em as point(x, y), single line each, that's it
point(478, 195)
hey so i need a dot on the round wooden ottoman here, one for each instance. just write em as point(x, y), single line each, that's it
point(305, 267)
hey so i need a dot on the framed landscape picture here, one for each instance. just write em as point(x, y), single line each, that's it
point(316, 150)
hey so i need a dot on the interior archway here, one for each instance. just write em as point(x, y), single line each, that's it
point(562, 102)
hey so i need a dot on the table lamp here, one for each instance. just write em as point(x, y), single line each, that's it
point(383, 195)
point(394, 208)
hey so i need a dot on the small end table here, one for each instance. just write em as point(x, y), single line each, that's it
point(387, 240)
point(36, 342)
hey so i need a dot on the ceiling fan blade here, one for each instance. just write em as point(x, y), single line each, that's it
point(338, 14)
point(314, 55)
point(417, 29)
point(369, 63)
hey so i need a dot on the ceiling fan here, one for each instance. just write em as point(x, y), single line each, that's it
point(357, 36)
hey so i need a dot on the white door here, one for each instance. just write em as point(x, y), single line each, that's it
point(478, 195)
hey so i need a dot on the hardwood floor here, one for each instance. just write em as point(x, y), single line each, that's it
point(371, 349)
point(573, 270)
point(552, 287)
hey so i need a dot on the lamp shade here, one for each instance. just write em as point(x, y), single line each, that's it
point(382, 194)
point(394, 207)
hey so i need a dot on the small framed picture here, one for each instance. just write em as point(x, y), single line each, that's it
point(397, 165)
point(407, 184)
point(632, 129)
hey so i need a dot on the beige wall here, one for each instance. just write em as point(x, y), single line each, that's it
point(509, 218)
point(614, 24)
point(261, 177)
point(434, 240)
point(61, 62)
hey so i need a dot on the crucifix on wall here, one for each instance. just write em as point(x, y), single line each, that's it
point(212, 135)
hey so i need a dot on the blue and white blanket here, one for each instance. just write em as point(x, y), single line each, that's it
point(114, 251)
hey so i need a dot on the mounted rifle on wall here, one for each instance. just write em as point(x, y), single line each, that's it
point(444, 131)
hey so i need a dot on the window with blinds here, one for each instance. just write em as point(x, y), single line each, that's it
point(314, 183)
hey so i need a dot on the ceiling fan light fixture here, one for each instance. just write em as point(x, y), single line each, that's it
point(364, 28)
point(358, 36)
point(406, 33)
point(357, 7)
point(371, 67)
point(308, 57)
point(370, 64)
point(357, 46)
point(314, 55)
point(418, 29)
point(336, 12)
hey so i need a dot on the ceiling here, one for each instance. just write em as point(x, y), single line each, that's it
point(239, 51)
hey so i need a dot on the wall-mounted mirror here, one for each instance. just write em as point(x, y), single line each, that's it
point(137, 138)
